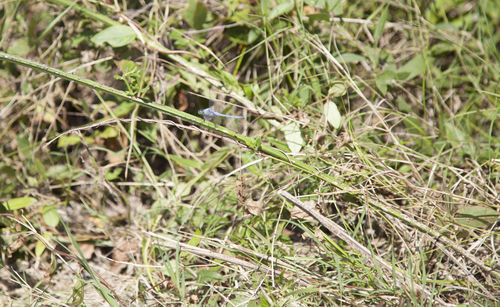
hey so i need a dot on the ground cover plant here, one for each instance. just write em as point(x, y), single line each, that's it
point(361, 165)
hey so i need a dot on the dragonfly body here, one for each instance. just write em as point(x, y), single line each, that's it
point(210, 114)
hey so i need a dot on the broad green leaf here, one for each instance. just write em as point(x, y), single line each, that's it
point(337, 89)
point(109, 132)
point(316, 87)
point(68, 140)
point(373, 54)
point(458, 138)
point(114, 174)
point(24, 145)
point(264, 302)
point(349, 57)
point(403, 106)
point(19, 47)
point(40, 247)
point(59, 171)
point(332, 114)
point(194, 241)
point(208, 276)
point(239, 34)
point(248, 90)
point(180, 42)
point(293, 137)
point(476, 216)
point(127, 66)
point(281, 9)
point(38, 168)
point(183, 189)
point(226, 77)
point(304, 96)
point(116, 36)
point(196, 14)
point(383, 80)
point(19, 203)
point(51, 216)
point(322, 16)
point(159, 205)
point(124, 109)
point(334, 7)
point(253, 35)
point(405, 168)
point(412, 68)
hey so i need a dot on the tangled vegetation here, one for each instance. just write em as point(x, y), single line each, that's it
point(365, 169)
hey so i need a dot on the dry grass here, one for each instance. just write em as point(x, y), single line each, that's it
point(108, 202)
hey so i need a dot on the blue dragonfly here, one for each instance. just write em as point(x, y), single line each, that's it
point(209, 114)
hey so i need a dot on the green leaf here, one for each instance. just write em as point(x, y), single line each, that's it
point(124, 109)
point(414, 125)
point(24, 146)
point(264, 302)
point(68, 140)
point(253, 35)
point(208, 276)
point(304, 96)
point(383, 80)
point(458, 138)
point(127, 66)
point(239, 34)
point(109, 132)
point(40, 247)
point(196, 14)
point(316, 87)
point(281, 9)
point(379, 29)
point(116, 36)
point(332, 6)
point(58, 171)
point(476, 216)
point(51, 216)
point(78, 292)
point(185, 162)
point(293, 137)
point(337, 89)
point(412, 68)
point(194, 241)
point(322, 16)
point(19, 203)
point(248, 158)
point(348, 57)
point(403, 106)
point(332, 114)
point(19, 47)
point(112, 175)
